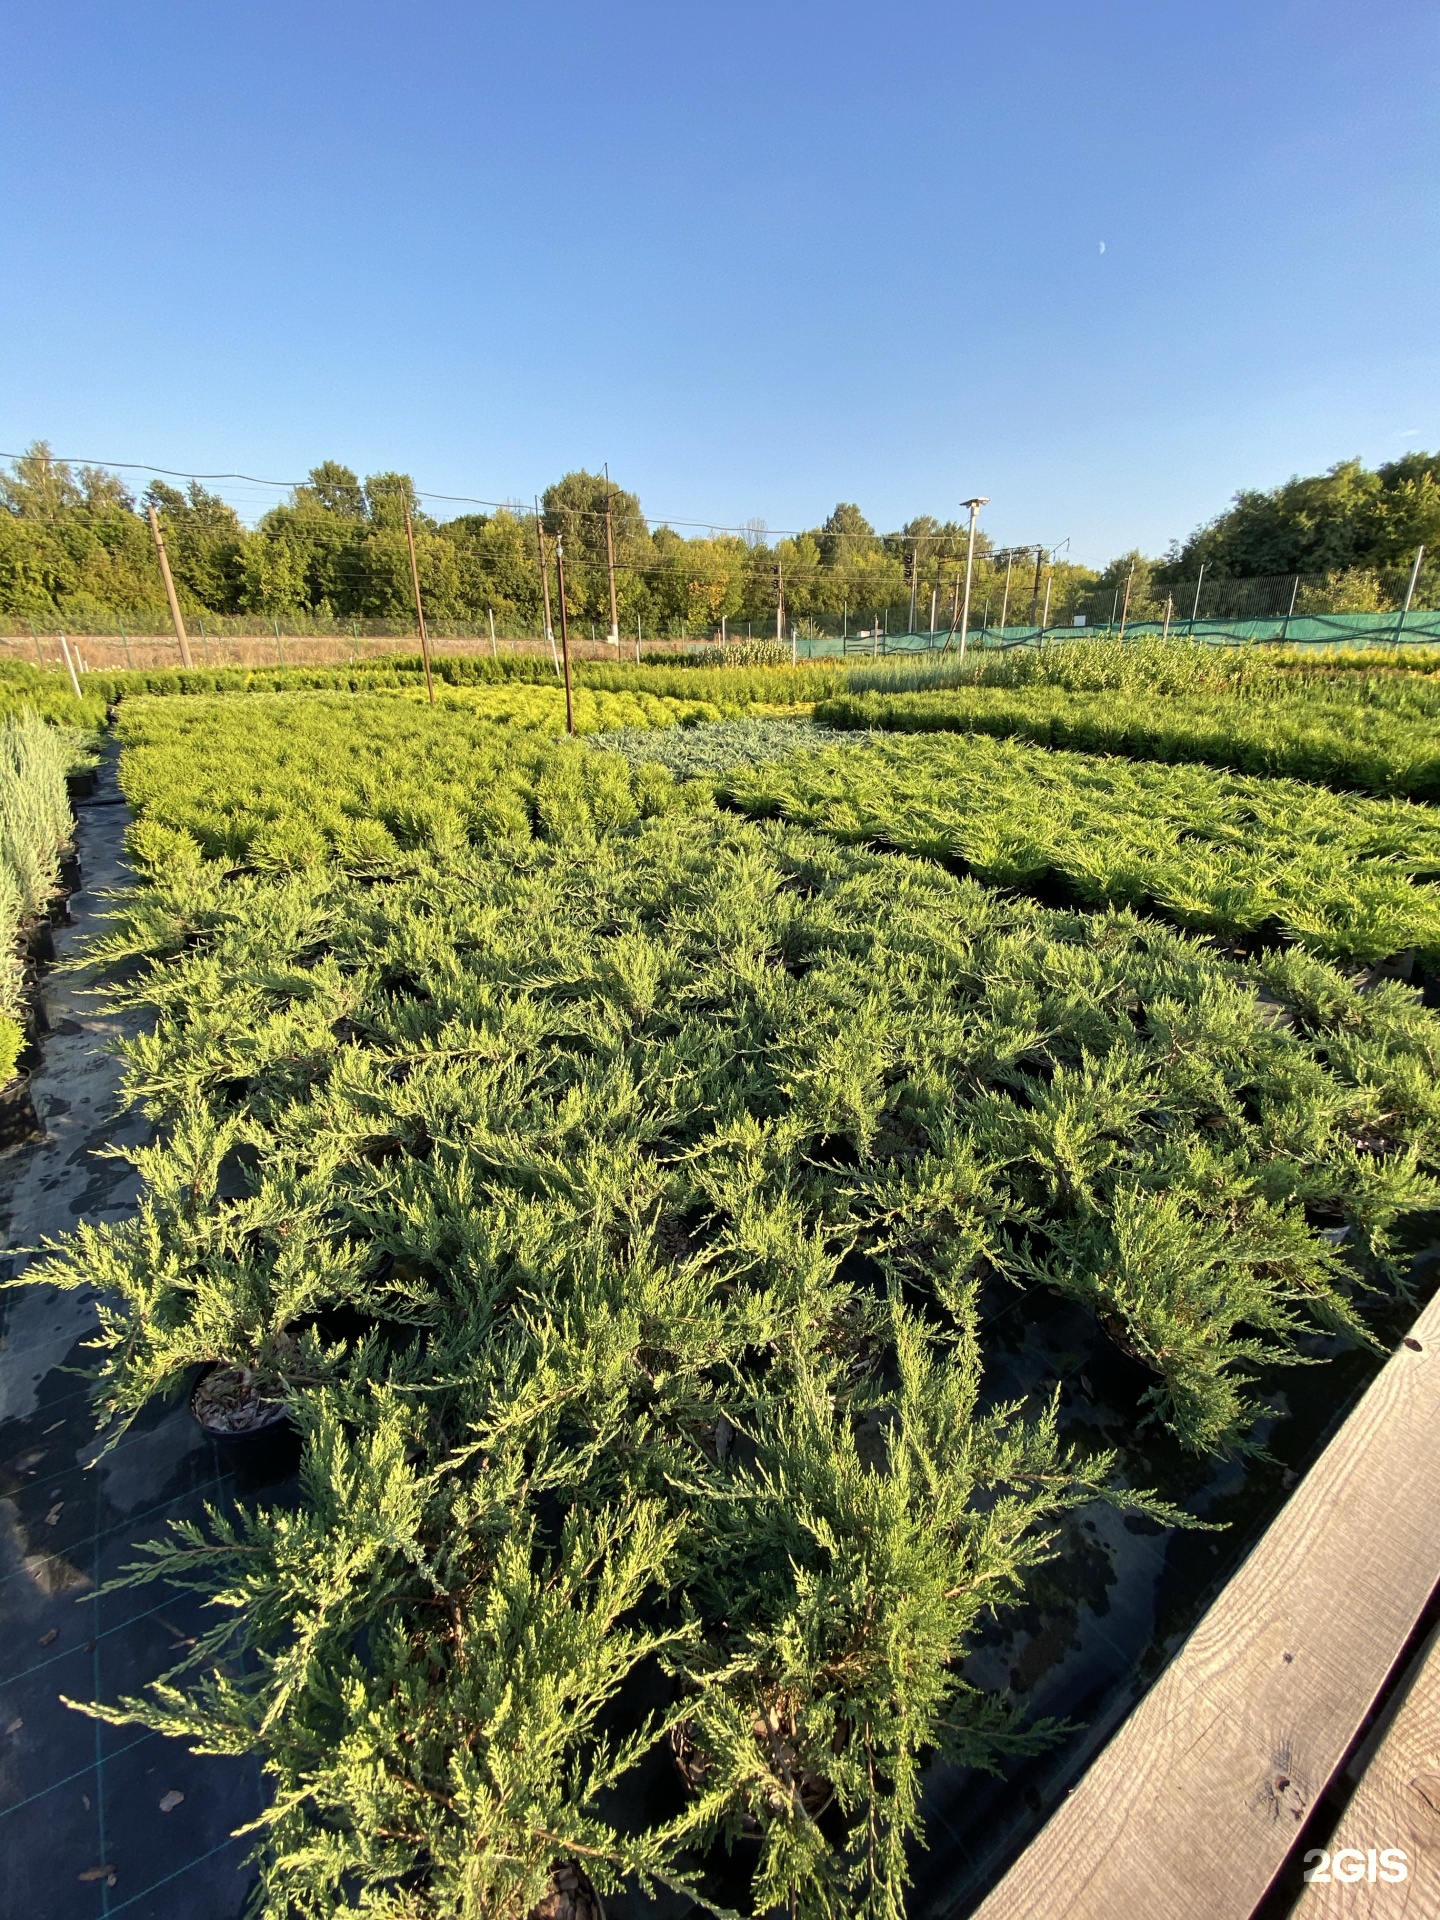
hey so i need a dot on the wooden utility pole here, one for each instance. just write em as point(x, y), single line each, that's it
point(545, 586)
point(169, 585)
point(564, 633)
point(610, 562)
point(419, 607)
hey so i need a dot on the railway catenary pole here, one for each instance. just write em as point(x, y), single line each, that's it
point(419, 607)
point(545, 587)
point(175, 613)
point(564, 632)
point(610, 562)
point(980, 500)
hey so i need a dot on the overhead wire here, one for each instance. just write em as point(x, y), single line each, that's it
point(753, 534)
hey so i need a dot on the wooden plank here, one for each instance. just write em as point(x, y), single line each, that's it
point(1190, 1810)
point(1396, 1805)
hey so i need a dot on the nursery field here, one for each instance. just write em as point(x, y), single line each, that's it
point(1338, 737)
point(1252, 858)
point(616, 1158)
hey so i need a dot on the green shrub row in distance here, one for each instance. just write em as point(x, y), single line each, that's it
point(1336, 741)
point(370, 780)
point(1211, 851)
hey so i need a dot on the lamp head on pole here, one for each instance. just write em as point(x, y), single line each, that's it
point(980, 500)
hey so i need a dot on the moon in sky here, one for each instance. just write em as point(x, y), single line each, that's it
point(1102, 246)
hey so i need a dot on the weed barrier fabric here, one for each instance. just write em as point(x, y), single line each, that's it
point(77, 1797)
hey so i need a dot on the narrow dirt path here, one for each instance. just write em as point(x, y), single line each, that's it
point(90, 1822)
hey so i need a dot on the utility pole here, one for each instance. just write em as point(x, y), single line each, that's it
point(779, 601)
point(980, 500)
point(419, 608)
point(1409, 592)
point(610, 559)
point(545, 585)
point(169, 585)
point(1125, 610)
point(564, 633)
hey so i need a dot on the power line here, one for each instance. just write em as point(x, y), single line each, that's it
point(747, 532)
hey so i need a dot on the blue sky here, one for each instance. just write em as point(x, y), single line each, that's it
point(759, 258)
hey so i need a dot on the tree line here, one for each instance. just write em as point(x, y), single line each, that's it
point(75, 545)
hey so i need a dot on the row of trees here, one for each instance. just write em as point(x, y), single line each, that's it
point(75, 544)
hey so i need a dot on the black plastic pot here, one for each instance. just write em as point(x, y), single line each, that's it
point(266, 1451)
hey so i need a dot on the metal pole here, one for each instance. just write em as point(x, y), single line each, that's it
point(1169, 609)
point(1290, 610)
point(779, 601)
point(1005, 602)
point(1125, 610)
point(169, 585)
point(610, 558)
point(1409, 592)
point(935, 600)
point(564, 633)
point(1195, 610)
point(974, 505)
point(545, 584)
point(637, 639)
point(1045, 616)
point(419, 607)
point(914, 582)
point(1035, 589)
point(491, 612)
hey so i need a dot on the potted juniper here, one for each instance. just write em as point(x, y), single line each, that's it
point(830, 1624)
point(228, 1293)
point(426, 1680)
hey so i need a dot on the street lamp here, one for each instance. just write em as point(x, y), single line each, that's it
point(974, 505)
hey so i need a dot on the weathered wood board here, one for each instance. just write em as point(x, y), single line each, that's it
point(1395, 1806)
point(1189, 1812)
